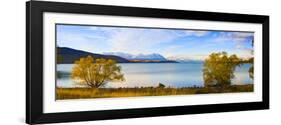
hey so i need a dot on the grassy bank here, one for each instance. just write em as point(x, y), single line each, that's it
point(84, 93)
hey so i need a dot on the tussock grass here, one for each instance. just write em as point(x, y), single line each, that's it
point(86, 93)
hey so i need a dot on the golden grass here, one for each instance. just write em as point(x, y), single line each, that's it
point(86, 93)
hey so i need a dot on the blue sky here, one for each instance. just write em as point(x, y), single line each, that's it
point(171, 43)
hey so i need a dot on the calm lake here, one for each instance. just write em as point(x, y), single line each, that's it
point(151, 74)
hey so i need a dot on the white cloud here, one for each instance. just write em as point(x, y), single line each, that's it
point(82, 41)
point(128, 40)
point(234, 36)
point(238, 37)
point(139, 40)
point(142, 40)
point(242, 34)
point(196, 33)
point(93, 28)
point(188, 57)
point(108, 30)
point(135, 41)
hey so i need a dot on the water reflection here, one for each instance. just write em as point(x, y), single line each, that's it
point(151, 74)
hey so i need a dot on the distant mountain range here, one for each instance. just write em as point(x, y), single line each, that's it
point(153, 56)
point(70, 55)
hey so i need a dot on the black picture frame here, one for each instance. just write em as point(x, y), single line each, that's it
point(34, 61)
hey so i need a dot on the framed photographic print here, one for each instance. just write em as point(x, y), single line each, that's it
point(95, 62)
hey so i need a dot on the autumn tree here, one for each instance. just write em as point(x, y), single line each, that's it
point(219, 69)
point(251, 69)
point(95, 73)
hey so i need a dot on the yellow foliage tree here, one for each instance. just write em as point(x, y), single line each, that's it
point(251, 69)
point(219, 69)
point(95, 73)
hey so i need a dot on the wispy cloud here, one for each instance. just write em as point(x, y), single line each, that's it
point(186, 57)
point(87, 41)
point(193, 44)
point(196, 33)
point(136, 40)
point(234, 36)
point(239, 38)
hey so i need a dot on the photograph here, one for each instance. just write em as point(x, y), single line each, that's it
point(115, 61)
point(88, 62)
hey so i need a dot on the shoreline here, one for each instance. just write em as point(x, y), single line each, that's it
point(92, 93)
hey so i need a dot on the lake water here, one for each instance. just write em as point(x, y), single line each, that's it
point(151, 74)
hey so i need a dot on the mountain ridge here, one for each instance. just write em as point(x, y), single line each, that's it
point(69, 56)
point(152, 56)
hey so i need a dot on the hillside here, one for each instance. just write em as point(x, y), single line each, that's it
point(69, 55)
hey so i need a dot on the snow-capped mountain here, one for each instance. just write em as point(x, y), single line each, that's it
point(121, 54)
point(153, 56)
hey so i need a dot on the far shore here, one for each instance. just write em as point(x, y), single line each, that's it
point(168, 61)
point(88, 93)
